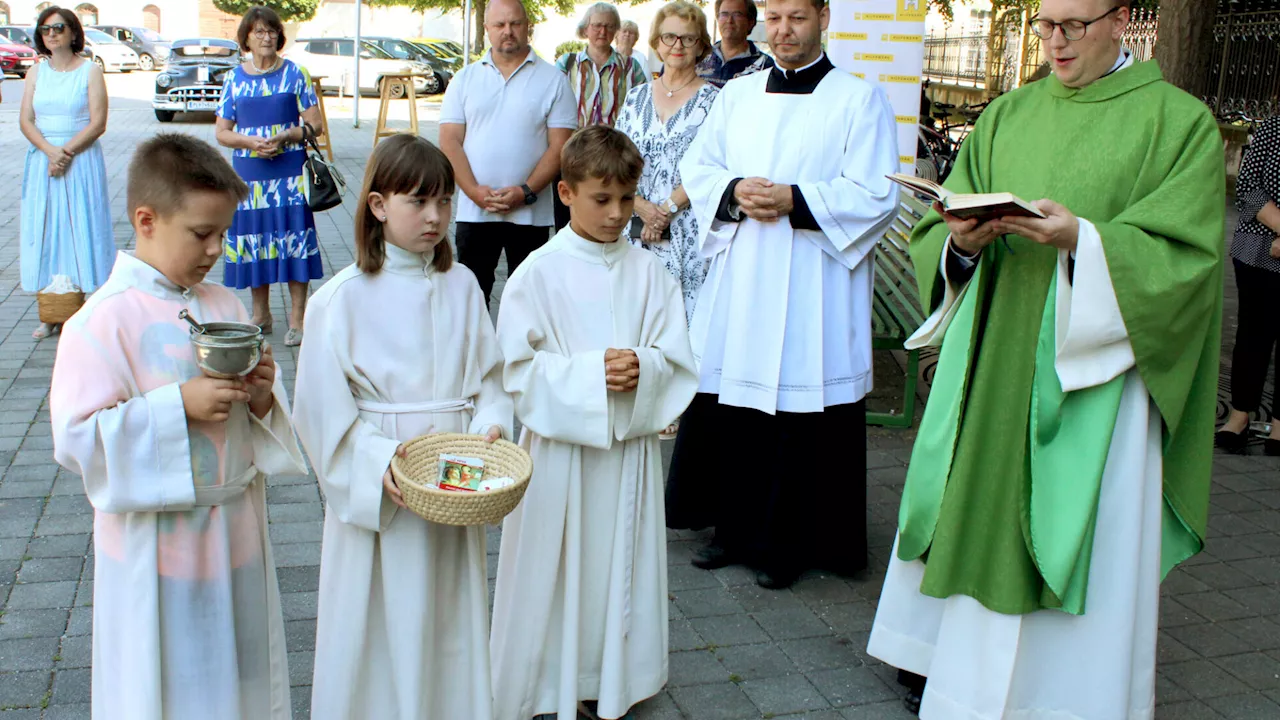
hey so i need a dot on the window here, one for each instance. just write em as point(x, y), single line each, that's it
point(151, 20)
point(321, 47)
point(87, 13)
point(4, 13)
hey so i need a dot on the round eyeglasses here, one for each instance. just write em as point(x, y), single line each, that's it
point(1071, 29)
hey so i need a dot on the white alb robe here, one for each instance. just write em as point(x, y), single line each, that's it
point(581, 605)
point(1050, 665)
point(783, 320)
point(187, 621)
point(402, 630)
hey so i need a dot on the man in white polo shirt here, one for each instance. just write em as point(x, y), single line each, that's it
point(503, 123)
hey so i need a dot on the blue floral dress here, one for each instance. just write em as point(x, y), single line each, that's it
point(273, 236)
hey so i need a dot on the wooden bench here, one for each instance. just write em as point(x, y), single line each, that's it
point(896, 310)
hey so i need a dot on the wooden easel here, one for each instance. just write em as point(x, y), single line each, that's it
point(387, 83)
point(322, 132)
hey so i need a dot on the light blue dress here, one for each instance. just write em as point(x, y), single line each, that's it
point(66, 221)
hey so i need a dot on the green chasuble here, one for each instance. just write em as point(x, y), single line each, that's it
point(1001, 495)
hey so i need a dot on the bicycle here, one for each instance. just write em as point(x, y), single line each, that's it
point(936, 149)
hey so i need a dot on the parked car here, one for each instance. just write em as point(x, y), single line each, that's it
point(450, 48)
point(110, 54)
point(152, 49)
point(332, 59)
point(193, 76)
point(19, 35)
point(405, 50)
point(16, 59)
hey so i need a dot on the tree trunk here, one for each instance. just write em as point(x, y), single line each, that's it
point(1185, 43)
point(477, 37)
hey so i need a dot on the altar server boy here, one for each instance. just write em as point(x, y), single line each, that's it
point(186, 610)
point(598, 363)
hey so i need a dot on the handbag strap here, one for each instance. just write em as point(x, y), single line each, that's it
point(309, 136)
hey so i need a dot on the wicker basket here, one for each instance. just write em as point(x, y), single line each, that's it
point(57, 308)
point(451, 507)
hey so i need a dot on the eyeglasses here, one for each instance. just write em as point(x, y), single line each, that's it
point(54, 29)
point(734, 15)
point(686, 41)
point(266, 34)
point(607, 27)
point(1071, 29)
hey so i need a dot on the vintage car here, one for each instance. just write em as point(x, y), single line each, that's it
point(193, 76)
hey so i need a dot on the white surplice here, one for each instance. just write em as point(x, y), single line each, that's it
point(402, 630)
point(581, 606)
point(187, 621)
point(783, 320)
point(1050, 665)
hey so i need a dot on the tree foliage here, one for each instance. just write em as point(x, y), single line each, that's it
point(288, 10)
point(537, 10)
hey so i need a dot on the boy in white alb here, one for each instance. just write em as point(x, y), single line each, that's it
point(598, 363)
point(186, 610)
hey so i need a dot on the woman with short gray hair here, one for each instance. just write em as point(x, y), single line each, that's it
point(599, 75)
point(628, 36)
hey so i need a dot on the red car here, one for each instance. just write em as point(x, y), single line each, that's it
point(16, 59)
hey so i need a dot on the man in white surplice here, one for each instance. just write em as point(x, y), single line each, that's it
point(788, 180)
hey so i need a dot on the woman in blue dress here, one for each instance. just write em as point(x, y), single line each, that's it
point(66, 213)
point(272, 239)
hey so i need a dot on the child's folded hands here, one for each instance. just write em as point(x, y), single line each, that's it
point(621, 370)
point(208, 399)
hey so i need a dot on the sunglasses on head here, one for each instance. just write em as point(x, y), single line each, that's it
point(54, 29)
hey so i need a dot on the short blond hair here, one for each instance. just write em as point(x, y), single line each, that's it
point(688, 12)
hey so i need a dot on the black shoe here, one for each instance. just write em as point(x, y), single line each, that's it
point(915, 690)
point(1271, 447)
point(775, 580)
point(1231, 441)
point(712, 557)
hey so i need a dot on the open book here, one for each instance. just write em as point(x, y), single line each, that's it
point(983, 206)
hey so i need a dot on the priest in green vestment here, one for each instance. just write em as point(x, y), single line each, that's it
point(1063, 463)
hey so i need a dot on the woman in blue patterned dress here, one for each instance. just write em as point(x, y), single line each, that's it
point(66, 213)
point(264, 104)
point(662, 118)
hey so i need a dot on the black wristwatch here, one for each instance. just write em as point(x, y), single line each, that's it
point(530, 197)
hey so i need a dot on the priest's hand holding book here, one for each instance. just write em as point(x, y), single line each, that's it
point(1058, 228)
point(621, 370)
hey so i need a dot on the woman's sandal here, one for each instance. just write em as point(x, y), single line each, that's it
point(267, 326)
point(293, 338)
point(44, 331)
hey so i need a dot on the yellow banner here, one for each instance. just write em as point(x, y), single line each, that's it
point(875, 16)
point(912, 10)
point(860, 76)
point(906, 79)
point(873, 57)
point(846, 36)
point(906, 119)
point(906, 159)
point(902, 38)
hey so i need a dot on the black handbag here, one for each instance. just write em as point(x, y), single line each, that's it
point(324, 183)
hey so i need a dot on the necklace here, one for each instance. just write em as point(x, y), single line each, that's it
point(263, 71)
point(671, 92)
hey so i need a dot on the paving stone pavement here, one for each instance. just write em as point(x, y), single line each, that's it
point(737, 651)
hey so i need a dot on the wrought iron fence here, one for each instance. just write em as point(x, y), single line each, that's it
point(960, 59)
point(1245, 71)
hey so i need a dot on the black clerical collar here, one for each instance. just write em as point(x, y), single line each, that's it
point(799, 82)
